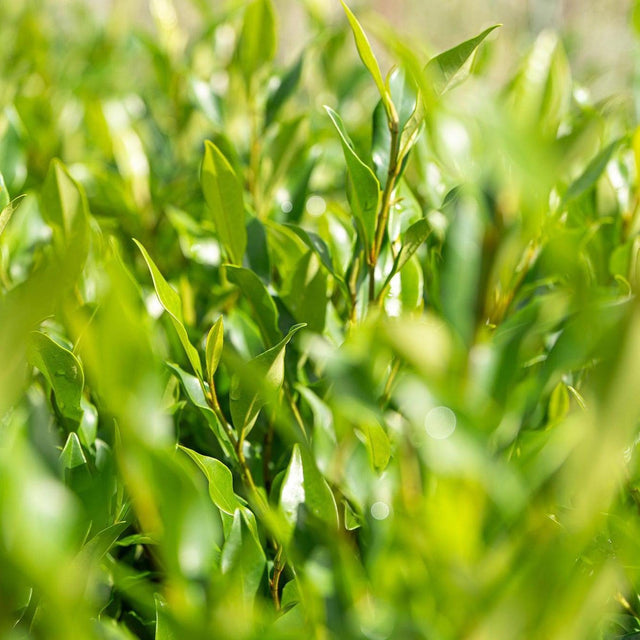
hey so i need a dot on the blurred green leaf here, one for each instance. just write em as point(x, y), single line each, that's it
point(286, 86)
point(444, 69)
point(257, 44)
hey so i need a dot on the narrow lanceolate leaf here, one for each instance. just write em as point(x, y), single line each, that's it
point(5, 216)
point(214, 348)
point(62, 370)
point(367, 56)
point(171, 303)
point(4, 195)
point(257, 44)
point(559, 403)
point(193, 388)
point(220, 481)
point(304, 487)
point(223, 193)
point(265, 375)
point(264, 311)
point(377, 443)
point(413, 237)
point(64, 207)
point(243, 557)
point(279, 96)
point(364, 188)
point(445, 67)
point(592, 173)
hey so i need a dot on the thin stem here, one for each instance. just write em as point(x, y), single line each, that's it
point(236, 443)
point(294, 409)
point(254, 149)
point(372, 283)
point(386, 394)
point(353, 291)
point(385, 205)
point(274, 583)
point(266, 455)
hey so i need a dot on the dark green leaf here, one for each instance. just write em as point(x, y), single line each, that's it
point(264, 311)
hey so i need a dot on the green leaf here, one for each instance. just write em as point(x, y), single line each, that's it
point(220, 481)
point(164, 630)
point(72, 455)
point(405, 96)
point(257, 43)
point(243, 557)
point(366, 55)
point(304, 485)
point(377, 443)
point(364, 188)
point(62, 370)
point(281, 93)
point(214, 348)
point(305, 292)
point(5, 216)
point(319, 246)
point(263, 308)
point(64, 207)
point(98, 546)
point(223, 192)
point(413, 238)
point(193, 389)
point(412, 285)
point(351, 519)
point(445, 67)
point(559, 402)
point(4, 197)
point(248, 395)
point(592, 173)
point(170, 301)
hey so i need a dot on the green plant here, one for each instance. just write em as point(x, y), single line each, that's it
point(367, 371)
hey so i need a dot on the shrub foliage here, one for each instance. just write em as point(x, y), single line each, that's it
point(311, 350)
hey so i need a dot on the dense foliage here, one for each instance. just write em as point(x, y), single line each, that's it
point(368, 370)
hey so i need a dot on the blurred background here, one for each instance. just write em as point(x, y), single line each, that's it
point(597, 34)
